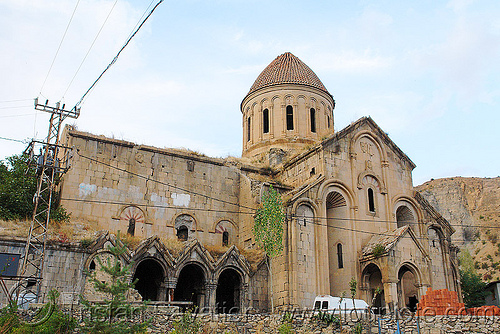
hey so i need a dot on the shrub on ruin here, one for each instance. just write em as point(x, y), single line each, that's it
point(113, 315)
point(378, 250)
point(187, 324)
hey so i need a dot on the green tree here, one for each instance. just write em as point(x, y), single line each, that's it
point(268, 228)
point(473, 288)
point(113, 314)
point(17, 188)
point(48, 320)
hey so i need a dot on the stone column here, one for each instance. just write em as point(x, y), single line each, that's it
point(210, 295)
point(244, 297)
point(271, 120)
point(295, 117)
point(391, 293)
point(162, 292)
point(283, 117)
point(170, 285)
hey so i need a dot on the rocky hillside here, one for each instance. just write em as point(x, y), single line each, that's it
point(472, 206)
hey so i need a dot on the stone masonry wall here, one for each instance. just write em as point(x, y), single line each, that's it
point(162, 319)
point(63, 268)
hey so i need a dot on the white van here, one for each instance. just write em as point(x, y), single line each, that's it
point(333, 305)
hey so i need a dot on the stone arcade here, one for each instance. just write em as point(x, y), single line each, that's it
point(350, 205)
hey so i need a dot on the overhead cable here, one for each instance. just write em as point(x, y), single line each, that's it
point(117, 55)
point(163, 183)
point(90, 48)
point(59, 48)
point(12, 101)
point(10, 139)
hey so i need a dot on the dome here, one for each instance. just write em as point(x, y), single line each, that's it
point(287, 69)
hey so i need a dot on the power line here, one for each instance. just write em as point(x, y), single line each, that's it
point(19, 115)
point(16, 107)
point(155, 206)
point(232, 212)
point(12, 101)
point(90, 48)
point(142, 16)
point(59, 48)
point(249, 208)
point(383, 221)
point(118, 54)
point(10, 139)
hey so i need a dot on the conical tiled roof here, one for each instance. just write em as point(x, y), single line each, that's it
point(286, 69)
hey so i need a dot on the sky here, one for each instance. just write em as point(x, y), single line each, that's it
point(426, 71)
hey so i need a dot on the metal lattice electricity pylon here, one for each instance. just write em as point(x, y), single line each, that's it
point(52, 161)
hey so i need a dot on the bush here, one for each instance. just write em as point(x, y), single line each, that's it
point(358, 329)
point(187, 324)
point(9, 318)
point(473, 288)
point(286, 324)
point(378, 250)
point(57, 323)
point(327, 318)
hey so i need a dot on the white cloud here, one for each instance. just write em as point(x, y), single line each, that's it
point(351, 61)
point(371, 18)
point(459, 5)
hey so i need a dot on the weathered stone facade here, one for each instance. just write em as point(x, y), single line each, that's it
point(350, 205)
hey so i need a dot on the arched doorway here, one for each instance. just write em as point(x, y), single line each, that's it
point(228, 292)
point(372, 279)
point(407, 288)
point(191, 285)
point(150, 276)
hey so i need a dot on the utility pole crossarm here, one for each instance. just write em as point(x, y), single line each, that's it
point(73, 113)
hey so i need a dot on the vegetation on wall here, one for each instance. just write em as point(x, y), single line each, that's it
point(268, 223)
point(17, 188)
point(268, 227)
point(378, 250)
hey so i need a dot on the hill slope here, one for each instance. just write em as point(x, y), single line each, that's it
point(472, 206)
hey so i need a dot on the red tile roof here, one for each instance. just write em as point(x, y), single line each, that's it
point(285, 69)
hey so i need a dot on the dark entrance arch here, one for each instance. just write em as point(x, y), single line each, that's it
point(150, 278)
point(408, 288)
point(372, 280)
point(190, 285)
point(228, 292)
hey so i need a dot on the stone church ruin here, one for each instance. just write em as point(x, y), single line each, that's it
point(351, 210)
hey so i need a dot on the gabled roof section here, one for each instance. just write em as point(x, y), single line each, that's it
point(153, 246)
point(104, 240)
point(195, 250)
point(287, 69)
point(367, 120)
point(233, 256)
point(388, 240)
